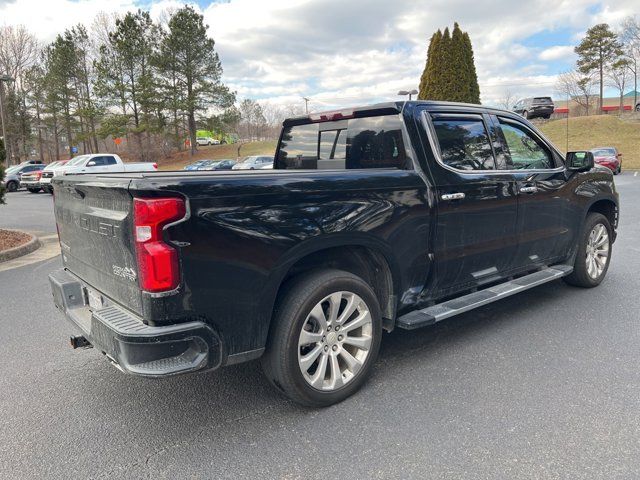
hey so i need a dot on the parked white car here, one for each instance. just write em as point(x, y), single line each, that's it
point(47, 175)
point(102, 163)
point(207, 141)
point(257, 162)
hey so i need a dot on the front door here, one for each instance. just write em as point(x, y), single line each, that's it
point(545, 226)
point(475, 237)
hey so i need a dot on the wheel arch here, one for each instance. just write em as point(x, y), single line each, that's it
point(364, 256)
point(607, 207)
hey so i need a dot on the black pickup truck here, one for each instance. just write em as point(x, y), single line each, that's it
point(395, 215)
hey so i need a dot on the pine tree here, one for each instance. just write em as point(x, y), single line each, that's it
point(598, 50)
point(126, 75)
point(196, 66)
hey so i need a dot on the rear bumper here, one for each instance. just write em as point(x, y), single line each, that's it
point(540, 111)
point(131, 345)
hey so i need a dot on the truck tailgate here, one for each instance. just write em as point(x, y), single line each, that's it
point(94, 218)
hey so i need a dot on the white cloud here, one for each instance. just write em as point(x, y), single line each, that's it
point(557, 52)
point(342, 52)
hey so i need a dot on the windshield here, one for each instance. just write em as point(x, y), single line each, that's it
point(544, 100)
point(76, 160)
point(603, 152)
point(13, 169)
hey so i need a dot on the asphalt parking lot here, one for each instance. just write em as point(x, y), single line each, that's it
point(545, 384)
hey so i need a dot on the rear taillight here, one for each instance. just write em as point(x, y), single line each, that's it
point(155, 166)
point(158, 267)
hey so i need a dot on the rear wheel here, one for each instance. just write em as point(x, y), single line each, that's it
point(325, 338)
point(33, 190)
point(594, 252)
point(12, 186)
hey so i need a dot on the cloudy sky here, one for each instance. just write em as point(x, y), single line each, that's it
point(346, 52)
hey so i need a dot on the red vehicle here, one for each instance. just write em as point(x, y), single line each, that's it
point(608, 157)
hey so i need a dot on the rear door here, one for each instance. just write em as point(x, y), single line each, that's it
point(475, 236)
point(545, 223)
point(94, 218)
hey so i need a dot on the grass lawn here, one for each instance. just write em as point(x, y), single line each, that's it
point(179, 160)
point(598, 131)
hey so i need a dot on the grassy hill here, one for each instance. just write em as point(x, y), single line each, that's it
point(179, 160)
point(598, 131)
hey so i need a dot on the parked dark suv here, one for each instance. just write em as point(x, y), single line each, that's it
point(534, 107)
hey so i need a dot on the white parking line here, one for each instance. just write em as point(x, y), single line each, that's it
point(635, 174)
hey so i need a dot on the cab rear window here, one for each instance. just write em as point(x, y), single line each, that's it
point(369, 142)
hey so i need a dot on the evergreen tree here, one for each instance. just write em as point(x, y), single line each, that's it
point(471, 75)
point(196, 66)
point(457, 71)
point(426, 80)
point(125, 73)
point(598, 50)
point(450, 72)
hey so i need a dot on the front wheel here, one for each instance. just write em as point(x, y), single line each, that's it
point(594, 252)
point(325, 338)
point(525, 114)
point(12, 186)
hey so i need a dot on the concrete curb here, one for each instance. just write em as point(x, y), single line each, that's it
point(24, 249)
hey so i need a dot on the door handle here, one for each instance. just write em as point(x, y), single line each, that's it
point(532, 189)
point(452, 196)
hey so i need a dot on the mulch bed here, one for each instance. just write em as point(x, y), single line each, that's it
point(10, 239)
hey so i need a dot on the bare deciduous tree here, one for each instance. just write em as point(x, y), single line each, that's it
point(507, 100)
point(577, 87)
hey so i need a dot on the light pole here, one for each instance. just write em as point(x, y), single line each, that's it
point(408, 92)
point(306, 105)
point(4, 78)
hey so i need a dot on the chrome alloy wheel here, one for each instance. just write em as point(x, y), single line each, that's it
point(335, 340)
point(597, 251)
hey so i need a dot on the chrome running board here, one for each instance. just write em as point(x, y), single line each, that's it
point(441, 311)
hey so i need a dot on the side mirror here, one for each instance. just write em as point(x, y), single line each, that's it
point(580, 161)
point(91, 163)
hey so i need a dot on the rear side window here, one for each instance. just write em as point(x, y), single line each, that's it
point(370, 142)
point(96, 162)
point(464, 143)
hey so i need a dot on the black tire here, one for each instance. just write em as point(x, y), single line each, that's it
point(280, 360)
point(33, 190)
point(580, 277)
point(525, 114)
point(546, 117)
point(12, 186)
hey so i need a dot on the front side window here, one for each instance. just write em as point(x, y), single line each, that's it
point(524, 151)
point(109, 161)
point(357, 143)
point(464, 143)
